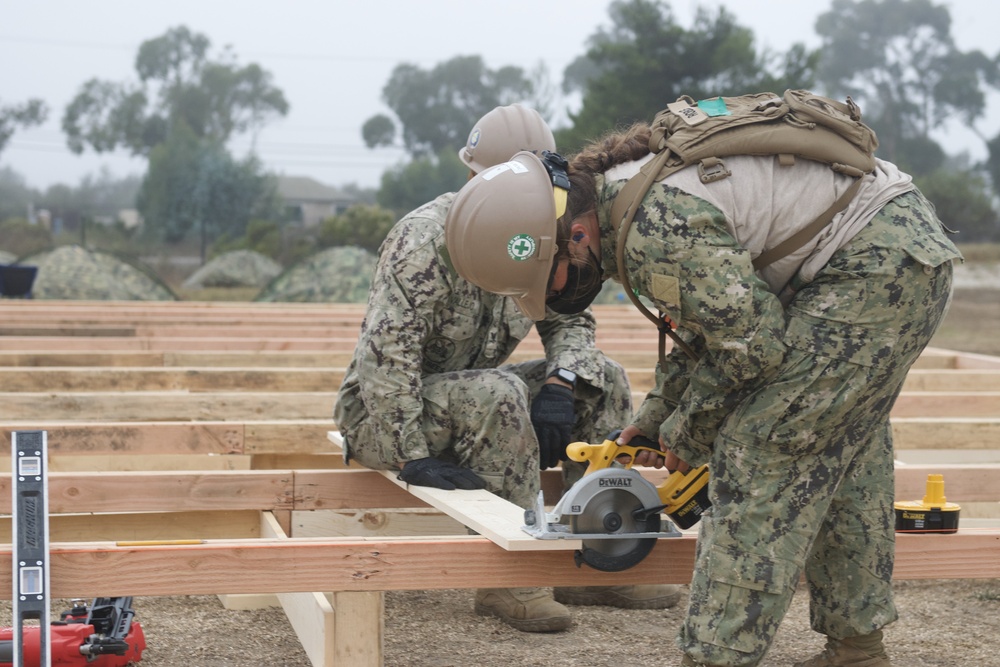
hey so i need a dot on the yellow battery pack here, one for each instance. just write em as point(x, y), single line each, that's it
point(933, 514)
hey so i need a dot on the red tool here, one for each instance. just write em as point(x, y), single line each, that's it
point(102, 635)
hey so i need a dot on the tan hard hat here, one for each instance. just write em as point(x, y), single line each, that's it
point(501, 229)
point(503, 132)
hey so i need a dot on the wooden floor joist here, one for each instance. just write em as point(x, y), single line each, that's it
point(318, 378)
point(629, 357)
point(360, 488)
point(353, 564)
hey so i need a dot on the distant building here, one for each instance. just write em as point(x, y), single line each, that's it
point(308, 202)
point(130, 218)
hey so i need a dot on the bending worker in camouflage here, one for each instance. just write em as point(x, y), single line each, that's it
point(427, 391)
point(788, 403)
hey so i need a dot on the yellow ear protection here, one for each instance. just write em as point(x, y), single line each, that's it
point(557, 165)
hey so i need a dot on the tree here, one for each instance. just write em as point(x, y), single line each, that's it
point(12, 116)
point(437, 108)
point(15, 195)
point(196, 187)
point(21, 238)
point(408, 186)
point(645, 60)
point(992, 165)
point(360, 225)
point(898, 60)
point(963, 204)
point(214, 99)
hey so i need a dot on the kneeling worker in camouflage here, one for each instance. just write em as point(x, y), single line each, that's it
point(428, 392)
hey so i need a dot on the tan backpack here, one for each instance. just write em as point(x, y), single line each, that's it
point(799, 124)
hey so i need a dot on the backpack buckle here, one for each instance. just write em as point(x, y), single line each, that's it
point(712, 169)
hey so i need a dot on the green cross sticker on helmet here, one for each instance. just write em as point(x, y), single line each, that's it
point(521, 247)
point(501, 228)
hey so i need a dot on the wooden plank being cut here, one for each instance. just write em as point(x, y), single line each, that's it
point(488, 514)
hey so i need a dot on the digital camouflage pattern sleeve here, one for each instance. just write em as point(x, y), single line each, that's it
point(571, 342)
point(681, 256)
point(410, 281)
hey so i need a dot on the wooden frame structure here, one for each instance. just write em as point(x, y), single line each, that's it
point(192, 440)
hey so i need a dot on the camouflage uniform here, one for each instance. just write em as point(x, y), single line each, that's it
point(427, 380)
point(790, 408)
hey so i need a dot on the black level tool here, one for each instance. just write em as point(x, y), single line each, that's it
point(29, 467)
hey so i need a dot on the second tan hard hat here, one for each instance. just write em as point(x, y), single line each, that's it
point(505, 131)
point(501, 230)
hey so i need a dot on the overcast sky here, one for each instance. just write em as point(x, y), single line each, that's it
point(331, 58)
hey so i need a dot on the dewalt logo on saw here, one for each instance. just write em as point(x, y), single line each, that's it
point(615, 481)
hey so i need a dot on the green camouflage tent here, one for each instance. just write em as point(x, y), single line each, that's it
point(333, 275)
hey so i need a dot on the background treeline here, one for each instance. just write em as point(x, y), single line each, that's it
point(896, 58)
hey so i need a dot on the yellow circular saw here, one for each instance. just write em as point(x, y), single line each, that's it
point(615, 511)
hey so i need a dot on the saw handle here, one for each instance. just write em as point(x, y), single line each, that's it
point(607, 453)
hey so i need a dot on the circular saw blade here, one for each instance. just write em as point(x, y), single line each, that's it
point(610, 512)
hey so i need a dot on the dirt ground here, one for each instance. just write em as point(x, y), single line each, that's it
point(944, 623)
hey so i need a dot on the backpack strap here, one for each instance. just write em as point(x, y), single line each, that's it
point(799, 238)
point(623, 210)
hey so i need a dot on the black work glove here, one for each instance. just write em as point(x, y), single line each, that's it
point(440, 475)
point(553, 417)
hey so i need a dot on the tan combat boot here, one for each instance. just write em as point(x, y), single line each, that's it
point(654, 596)
point(864, 651)
point(526, 609)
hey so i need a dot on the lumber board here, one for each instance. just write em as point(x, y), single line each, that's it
point(479, 510)
point(345, 343)
point(256, 405)
point(250, 328)
point(628, 357)
point(305, 436)
point(956, 433)
point(142, 491)
point(329, 564)
point(947, 404)
point(380, 564)
point(374, 522)
point(96, 343)
point(311, 615)
point(359, 626)
point(356, 488)
point(363, 494)
point(487, 514)
point(298, 461)
point(137, 437)
point(303, 443)
point(961, 379)
point(148, 526)
point(311, 378)
point(159, 378)
point(166, 462)
point(970, 482)
point(166, 406)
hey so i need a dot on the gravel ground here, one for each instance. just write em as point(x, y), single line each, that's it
point(943, 623)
